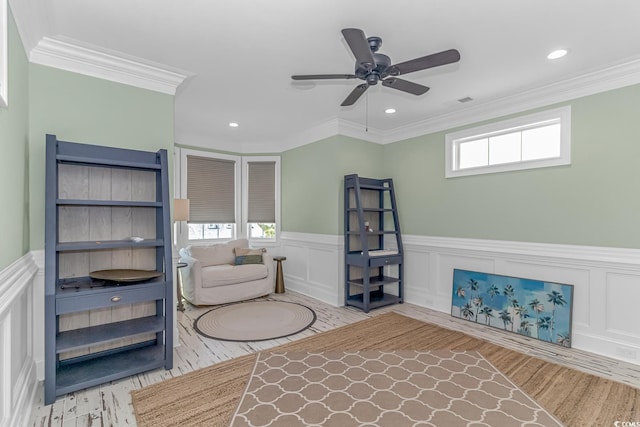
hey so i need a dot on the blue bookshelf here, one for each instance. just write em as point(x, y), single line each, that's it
point(85, 203)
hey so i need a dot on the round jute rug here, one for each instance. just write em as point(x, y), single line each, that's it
point(254, 321)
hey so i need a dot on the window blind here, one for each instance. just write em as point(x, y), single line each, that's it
point(261, 192)
point(211, 190)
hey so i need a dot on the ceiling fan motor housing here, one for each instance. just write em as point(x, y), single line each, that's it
point(373, 75)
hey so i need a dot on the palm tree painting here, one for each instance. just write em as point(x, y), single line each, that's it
point(529, 307)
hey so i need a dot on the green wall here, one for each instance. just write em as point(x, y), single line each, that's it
point(312, 179)
point(14, 227)
point(591, 202)
point(78, 108)
point(594, 201)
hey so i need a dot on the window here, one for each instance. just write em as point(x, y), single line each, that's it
point(261, 179)
point(230, 197)
point(532, 141)
point(211, 182)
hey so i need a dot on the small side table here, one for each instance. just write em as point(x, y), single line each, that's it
point(279, 275)
point(179, 284)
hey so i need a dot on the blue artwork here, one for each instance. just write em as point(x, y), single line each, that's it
point(527, 307)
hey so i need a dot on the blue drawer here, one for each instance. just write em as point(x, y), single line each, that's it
point(115, 296)
point(385, 260)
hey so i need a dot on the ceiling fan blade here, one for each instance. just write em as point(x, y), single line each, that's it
point(437, 59)
point(359, 46)
point(405, 86)
point(323, 76)
point(354, 95)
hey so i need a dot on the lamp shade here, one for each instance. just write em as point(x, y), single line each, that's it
point(181, 209)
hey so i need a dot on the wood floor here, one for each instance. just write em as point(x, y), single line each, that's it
point(110, 404)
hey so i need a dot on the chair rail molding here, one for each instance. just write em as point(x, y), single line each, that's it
point(576, 253)
point(17, 361)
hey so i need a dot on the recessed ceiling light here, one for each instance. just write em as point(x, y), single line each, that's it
point(390, 110)
point(557, 54)
point(234, 124)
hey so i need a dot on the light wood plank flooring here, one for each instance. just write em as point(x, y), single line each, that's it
point(110, 404)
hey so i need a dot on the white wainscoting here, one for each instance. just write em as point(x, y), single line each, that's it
point(606, 280)
point(314, 265)
point(17, 360)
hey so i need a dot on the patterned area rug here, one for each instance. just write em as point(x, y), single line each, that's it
point(209, 396)
point(374, 388)
point(254, 321)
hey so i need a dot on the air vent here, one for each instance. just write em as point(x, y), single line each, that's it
point(465, 99)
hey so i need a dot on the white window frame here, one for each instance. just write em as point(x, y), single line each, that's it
point(453, 141)
point(239, 232)
point(241, 194)
point(4, 54)
point(245, 194)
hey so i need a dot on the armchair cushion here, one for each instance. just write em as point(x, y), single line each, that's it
point(217, 254)
point(226, 274)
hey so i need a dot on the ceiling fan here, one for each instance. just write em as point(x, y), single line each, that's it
point(374, 67)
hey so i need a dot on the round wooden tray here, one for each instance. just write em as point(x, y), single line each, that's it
point(125, 275)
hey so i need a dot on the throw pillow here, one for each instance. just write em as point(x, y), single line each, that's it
point(248, 256)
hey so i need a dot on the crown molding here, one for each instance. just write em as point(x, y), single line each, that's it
point(70, 56)
point(313, 134)
point(203, 142)
point(191, 140)
point(331, 128)
point(613, 77)
point(316, 133)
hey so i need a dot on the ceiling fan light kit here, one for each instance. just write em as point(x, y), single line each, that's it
point(374, 67)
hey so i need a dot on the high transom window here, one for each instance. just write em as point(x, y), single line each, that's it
point(532, 141)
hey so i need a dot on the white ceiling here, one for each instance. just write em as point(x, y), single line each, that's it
point(240, 55)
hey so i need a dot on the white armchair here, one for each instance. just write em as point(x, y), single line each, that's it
point(216, 275)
